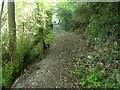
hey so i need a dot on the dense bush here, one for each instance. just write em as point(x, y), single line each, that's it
point(103, 23)
point(94, 73)
point(49, 24)
point(98, 22)
point(101, 35)
point(14, 65)
point(66, 15)
point(31, 39)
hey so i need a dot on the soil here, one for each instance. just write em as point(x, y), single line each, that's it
point(57, 69)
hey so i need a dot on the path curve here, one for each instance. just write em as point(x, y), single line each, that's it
point(56, 70)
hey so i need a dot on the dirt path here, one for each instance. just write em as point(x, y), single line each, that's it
point(56, 70)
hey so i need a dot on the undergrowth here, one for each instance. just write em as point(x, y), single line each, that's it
point(14, 66)
point(49, 37)
point(102, 68)
point(25, 52)
point(94, 73)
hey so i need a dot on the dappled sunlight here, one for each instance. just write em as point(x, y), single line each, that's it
point(59, 44)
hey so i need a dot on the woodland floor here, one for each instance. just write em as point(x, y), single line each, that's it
point(57, 69)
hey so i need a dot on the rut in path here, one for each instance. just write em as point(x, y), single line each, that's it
point(56, 70)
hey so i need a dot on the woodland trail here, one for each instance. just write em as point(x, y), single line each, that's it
point(57, 69)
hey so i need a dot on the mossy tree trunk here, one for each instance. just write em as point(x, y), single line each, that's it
point(12, 26)
point(40, 46)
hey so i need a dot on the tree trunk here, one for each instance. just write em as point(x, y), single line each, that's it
point(1, 10)
point(12, 26)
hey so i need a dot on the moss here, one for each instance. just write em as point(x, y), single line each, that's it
point(39, 49)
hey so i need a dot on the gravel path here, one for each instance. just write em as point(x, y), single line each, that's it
point(57, 69)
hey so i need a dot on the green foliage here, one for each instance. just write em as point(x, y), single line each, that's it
point(101, 35)
point(93, 74)
point(103, 23)
point(82, 13)
point(49, 37)
point(14, 66)
point(48, 32)
point(49, 24)
point(5, 42)
point(7, 74)
point(93, 79)
point(30, 39)
point(66, 21)
point(98, 22)
point(74, 16)
point(65, 14)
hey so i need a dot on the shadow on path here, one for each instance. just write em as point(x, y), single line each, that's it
point(56, 70)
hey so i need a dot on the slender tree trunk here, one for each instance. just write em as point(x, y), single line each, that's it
point(12, 26)
point(1, 10)
point(23, 24)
